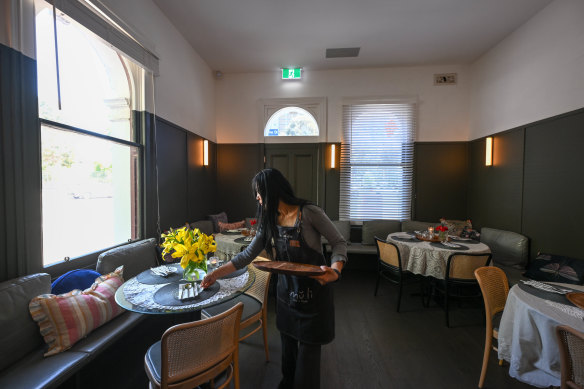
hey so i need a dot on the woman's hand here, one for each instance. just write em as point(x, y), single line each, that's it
point(208, 280)
point(329, 276)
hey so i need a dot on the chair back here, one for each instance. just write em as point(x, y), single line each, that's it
point(495, 288)
point(259, 289)
point(462, 266)
point(195, 352)
point(571, 344)
point(388, 253)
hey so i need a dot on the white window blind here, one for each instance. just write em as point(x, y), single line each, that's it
point(377, 155)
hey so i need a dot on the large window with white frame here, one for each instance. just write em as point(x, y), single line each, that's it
point(377, 156)
point(90, 148)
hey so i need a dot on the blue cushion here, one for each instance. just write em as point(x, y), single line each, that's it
point(74, 279)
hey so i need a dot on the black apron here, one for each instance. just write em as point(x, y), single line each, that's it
point(304, 307)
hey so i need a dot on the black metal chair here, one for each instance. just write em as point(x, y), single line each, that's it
point(390, 268)
point(460, 278)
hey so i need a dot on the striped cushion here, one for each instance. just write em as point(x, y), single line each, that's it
point(65, 319)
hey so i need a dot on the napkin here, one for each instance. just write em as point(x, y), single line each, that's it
point(163, 271)
point(448, 244)
point(546, 287)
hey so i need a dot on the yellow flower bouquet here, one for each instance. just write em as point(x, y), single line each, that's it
point(192, 247)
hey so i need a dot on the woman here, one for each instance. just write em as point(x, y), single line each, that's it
point(304, 309)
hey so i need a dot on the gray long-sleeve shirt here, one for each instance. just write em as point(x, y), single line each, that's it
point(315, 223)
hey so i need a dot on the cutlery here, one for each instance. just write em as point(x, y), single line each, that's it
point(546, 287)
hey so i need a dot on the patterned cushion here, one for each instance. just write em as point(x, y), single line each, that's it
point(74, 279)
point(220, 217)
point(556, 268)
point(65, 319)
point(231, 226)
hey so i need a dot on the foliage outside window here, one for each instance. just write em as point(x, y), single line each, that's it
point(90, 153)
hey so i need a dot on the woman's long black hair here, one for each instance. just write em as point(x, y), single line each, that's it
point(272, 187)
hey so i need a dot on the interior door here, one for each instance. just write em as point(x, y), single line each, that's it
point(300, 164)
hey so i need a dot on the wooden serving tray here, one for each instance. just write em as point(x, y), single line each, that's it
point(290, 268)
point(434, 239)
point(576, 298)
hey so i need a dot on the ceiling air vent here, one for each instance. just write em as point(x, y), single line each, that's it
point(343, 52)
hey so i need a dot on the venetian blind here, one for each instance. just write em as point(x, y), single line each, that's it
point(377, 155)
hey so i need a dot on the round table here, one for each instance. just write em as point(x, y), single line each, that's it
point(527, 333)
point(139, 297)
point(430, 259)
point(228, 245)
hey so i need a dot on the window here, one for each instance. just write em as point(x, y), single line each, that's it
point(377, 160)
point(90, 149)
point(291, 121)
point(301, 120)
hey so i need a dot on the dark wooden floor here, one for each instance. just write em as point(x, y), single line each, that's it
point(376, 347)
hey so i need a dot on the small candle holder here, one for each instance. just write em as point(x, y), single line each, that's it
point(431, 232)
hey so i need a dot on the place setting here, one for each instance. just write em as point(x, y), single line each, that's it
point(449, 246)
point(160, 275)
point(406, 237)
point(563, 295)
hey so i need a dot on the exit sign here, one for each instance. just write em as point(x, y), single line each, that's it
point(292, 74)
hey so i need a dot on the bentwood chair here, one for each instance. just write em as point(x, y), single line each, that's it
point(571, 344)
point(389, 267)
point(460, 281)
point(495, 288)
point(190, 354)
point(255, 306)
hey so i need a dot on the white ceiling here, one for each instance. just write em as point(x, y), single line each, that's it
point(262, 35)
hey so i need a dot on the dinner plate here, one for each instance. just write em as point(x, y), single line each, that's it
point(291, 268)
point(576, 298)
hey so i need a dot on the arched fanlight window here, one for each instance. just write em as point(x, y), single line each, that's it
point(291, 121)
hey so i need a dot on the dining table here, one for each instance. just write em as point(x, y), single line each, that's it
point(527, 331)
point(430, 258)
point(151, 293)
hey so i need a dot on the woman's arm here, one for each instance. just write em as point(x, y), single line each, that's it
point(318, 223)
point(240, 261)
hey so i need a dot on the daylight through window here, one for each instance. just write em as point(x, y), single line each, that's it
point(377, 161)
point(90, 169)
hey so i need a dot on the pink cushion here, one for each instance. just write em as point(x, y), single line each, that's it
point(231, 226)
point(65, 319)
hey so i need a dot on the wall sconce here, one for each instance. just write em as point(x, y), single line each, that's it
point(489, 151)
point(333, 156)
point(206, 152)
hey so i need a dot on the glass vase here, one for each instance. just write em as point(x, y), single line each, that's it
point(195, 271)
point(443, 236)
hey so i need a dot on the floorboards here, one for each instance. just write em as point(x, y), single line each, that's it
point(376, 347)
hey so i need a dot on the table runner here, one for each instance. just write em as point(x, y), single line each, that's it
point(142, 294)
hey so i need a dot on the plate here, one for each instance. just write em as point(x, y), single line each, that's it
point(434, 239)
point(291, 268)
point(576, 298)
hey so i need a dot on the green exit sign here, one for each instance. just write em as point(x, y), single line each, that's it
point(292, 74)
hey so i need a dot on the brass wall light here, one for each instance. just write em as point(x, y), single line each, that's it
point(333, 156)
point(206, 152)
point(489, 151)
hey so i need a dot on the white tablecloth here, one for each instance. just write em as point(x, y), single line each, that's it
point(227, 247)
point(527, 337)
point(423, 258)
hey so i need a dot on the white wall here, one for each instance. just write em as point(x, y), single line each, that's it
point(185, 88)
point(443, 110)
point(535, 73)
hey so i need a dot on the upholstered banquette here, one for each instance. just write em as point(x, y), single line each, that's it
point(22, 363)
